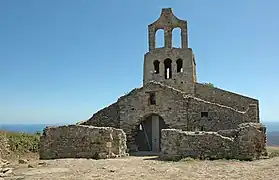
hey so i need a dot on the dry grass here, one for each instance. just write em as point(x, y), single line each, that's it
point(148, 168)
point(135, 167)
point(273, 151)
point(130, 168)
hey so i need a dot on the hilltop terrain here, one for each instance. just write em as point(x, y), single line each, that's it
point(272, 130)
point(21, 151)
point(147, 168)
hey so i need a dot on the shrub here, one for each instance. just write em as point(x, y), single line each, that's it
point(23, 142)
point(209, 84)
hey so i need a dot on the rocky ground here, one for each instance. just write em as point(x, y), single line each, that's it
point(139, 168)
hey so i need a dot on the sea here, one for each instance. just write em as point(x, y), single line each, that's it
point(33, 128)
point(26, 128)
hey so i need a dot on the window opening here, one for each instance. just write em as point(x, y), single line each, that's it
point(156, 64)
point(179, 65)
point(152, 99)
point(176, 38)
point(168, 72)
point(159, 38)
point(140, 127)
point(204, 114)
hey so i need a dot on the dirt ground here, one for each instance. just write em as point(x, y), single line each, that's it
point(147, 167)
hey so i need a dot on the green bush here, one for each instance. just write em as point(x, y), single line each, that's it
point(23, 142)
point(209, 84)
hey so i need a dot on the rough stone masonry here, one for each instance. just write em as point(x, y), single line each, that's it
point(78, 141)
point(245, 143)
point(170, 98)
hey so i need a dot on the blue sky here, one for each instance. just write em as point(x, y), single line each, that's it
point(61, 61)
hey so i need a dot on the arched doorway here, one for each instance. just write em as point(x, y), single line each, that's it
point(148, 136)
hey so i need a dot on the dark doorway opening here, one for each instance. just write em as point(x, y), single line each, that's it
point(148, 137)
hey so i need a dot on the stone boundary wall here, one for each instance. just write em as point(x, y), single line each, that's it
point(4, 145)
point(247, 142)
point(80, 141)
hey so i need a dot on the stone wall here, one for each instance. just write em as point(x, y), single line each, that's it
point(178, 110)
point(167, 21)
point(251, 141)
point(4, 145)
point(80, 141)
point(218, 116)
point(167, 56)
point(180, 80)
point(247, 142)
point(220, 96)
point(107, 117)
point(135, 108)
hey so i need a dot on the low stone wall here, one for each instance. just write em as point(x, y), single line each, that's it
point(250, 141)
point(247, 142)
point(4, 145)
point(80, 141)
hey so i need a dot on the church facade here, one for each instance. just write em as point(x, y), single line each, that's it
point(171, 97)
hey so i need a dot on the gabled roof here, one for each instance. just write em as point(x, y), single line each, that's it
point(178, 92)
point(150, 83)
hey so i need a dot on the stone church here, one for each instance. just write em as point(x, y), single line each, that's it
point(171, 97)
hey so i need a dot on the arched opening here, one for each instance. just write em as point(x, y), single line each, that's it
point(148, 137)
point(176, 38)
point(156, 65)
point(159, 38)
point(152, 99)
point(168, 71)
point(179, 65)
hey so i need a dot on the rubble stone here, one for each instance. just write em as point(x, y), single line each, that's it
point(80, 141)
point(247, 142)
point(4, 145)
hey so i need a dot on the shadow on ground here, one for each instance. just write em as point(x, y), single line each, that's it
point(153, 156)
